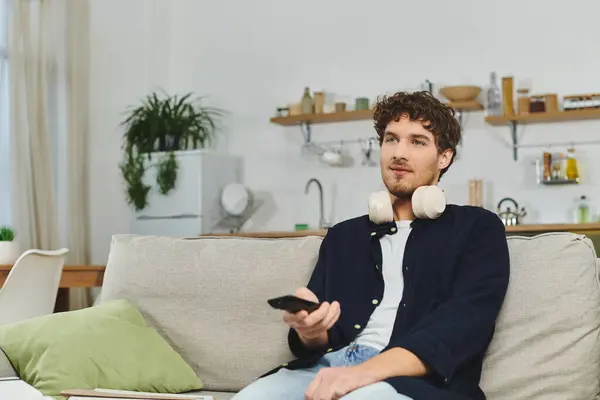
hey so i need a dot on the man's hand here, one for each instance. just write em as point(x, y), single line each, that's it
point(312, 328)
point(333, 383)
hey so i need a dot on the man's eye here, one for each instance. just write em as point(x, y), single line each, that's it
point(419, 142)
point(389, 138)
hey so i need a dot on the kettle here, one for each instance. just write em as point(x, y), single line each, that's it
point(508, 216)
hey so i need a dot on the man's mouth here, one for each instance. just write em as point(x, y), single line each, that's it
point(398, 169)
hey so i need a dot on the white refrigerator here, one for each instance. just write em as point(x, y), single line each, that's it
point(193, 207)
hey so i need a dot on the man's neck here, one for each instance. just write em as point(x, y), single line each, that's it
point(402, 209)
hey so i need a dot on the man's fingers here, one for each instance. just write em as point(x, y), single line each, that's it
point(332, 316)
point(315, 323)
point(312, 388)
point(295, 317)
point(316, 316)
point(326, 323)
point(294, 320)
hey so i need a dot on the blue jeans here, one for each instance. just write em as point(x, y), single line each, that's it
point(286, 384)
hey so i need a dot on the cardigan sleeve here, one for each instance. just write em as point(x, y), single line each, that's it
point(461, 327)
point(318, 285)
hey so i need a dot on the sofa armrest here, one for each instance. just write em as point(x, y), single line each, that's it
point(6, 368)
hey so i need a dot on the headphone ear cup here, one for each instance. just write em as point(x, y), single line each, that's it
point(428, 202)
point(380, 207)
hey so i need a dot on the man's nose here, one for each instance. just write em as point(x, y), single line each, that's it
point(401, 150)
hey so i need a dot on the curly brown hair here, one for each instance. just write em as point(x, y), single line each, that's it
point(423, 107)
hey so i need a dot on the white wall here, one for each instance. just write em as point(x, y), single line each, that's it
point(259, 55)
point(127, 59)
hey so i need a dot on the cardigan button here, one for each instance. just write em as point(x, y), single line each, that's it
point(393, 229)
point(329, 350)
point(357, 326)
point(373, 233)
point(375, 301)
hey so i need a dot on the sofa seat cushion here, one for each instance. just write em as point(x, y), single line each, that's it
point(208, 297)
point(546, 342)
point(216, 395)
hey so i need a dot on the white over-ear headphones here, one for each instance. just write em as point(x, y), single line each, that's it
point(428, 202)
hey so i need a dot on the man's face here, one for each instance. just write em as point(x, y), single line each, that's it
point(409, 157)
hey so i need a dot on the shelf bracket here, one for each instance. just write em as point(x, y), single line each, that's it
point(459, 117)
point(306, 132)
point(513, 134)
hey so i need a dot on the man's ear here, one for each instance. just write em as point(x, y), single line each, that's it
point(444, 158)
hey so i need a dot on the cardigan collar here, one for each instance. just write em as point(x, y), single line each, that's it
point(390, 228)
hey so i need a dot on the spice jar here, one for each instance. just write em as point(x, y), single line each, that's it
point(537, 104)
point(547, 166)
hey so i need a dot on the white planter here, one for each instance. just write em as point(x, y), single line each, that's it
point(9, 252)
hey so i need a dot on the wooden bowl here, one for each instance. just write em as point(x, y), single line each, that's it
point(460, 93)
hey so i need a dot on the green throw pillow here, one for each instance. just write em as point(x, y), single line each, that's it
point(105, 346)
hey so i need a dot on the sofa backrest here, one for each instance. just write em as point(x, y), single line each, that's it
point(207, 296)
point(546, 344)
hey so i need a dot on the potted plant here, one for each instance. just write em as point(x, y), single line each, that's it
point(9, 251)
point(162, 124)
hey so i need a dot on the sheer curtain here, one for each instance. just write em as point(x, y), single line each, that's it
point(5, 195)
point(31, 62)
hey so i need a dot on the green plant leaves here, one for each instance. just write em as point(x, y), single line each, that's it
point(162, 123)
point(133, 170)
point(7, 234)
point(166, 174)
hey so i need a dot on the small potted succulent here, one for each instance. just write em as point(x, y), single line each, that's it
point(9, 251)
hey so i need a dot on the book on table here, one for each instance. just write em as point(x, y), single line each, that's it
point(109, 394)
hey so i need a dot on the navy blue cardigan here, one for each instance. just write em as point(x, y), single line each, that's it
point(456, 273)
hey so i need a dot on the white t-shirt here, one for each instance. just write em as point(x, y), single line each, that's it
point(378, 331)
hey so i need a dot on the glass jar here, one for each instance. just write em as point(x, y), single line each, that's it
point(572, 172)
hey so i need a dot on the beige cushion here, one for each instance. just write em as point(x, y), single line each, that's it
point(208, 297)
point(546, 344)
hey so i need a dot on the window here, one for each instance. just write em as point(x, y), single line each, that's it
point(5, 207)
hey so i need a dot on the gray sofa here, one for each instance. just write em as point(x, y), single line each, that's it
point(207, 297)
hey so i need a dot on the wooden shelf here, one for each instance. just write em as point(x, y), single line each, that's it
point(323, 118)
point(540, 228)
point(466, 105)
point(539, 118)
point(560, 182)
point(536, 118)
point(356, 115)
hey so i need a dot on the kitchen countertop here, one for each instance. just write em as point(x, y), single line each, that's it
point(553, 228)
point(525, 228)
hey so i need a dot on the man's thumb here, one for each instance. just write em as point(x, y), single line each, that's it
point(306, 294)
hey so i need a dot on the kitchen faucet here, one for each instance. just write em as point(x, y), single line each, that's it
point(322, 223)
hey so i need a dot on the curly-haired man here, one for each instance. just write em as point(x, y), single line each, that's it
point(408, 308)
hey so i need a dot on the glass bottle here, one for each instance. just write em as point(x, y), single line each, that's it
point(572, 172)
point(494, 98)
point(307, 102)
point(582, 211)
